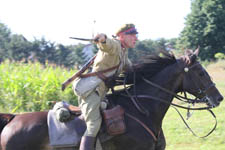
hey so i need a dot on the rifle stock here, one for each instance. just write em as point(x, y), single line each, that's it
point(77, 74)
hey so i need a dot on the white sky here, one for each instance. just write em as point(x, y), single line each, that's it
point(57, 20)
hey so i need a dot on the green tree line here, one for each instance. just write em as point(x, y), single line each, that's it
point(16, 47)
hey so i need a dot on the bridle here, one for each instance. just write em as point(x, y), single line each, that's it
point(200, 90)
point(185, 99)
point(179, 97)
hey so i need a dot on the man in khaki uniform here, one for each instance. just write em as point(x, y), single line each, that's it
point(111, 59)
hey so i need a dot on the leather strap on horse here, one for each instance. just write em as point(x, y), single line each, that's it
point(100, 73)
point(144, 126)
point(175, 95)
point(134, 99)
point(203, 108)
point(192, 130)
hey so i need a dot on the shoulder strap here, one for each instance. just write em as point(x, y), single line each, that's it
point(99, 73)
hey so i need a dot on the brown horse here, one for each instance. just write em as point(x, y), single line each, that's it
point(29, 131)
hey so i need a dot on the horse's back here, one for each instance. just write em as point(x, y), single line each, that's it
point(25, 132)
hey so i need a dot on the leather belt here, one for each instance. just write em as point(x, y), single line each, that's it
point(99, 73)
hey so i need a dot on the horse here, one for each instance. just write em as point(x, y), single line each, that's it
point(171, 75)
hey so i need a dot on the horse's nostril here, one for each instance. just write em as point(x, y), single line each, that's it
point(220, 98)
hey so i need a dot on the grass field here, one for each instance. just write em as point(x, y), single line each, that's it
point(178, 137)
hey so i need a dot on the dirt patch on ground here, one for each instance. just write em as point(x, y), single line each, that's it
point(217, 71)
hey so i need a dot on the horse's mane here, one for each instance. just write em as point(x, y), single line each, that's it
point(148, 67)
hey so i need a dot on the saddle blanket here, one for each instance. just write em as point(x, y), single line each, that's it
point(65, 134)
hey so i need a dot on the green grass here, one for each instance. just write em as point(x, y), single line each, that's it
point(178, 137)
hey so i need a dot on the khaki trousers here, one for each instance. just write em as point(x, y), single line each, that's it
point(90, 107)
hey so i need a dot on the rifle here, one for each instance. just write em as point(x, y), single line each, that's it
point(77, 74)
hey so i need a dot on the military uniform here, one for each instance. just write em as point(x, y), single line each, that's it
point(110, 54)
point(113, 57)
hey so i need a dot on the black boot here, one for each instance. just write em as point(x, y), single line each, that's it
point(87, 143)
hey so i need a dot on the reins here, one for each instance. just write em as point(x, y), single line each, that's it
point(214, 116)
point(203, 108)
point(134, 98)
point(190, 101)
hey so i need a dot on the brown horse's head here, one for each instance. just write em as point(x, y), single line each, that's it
point(197, 81)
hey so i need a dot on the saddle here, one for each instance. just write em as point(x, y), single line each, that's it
point(67, 126)
point(113, 118)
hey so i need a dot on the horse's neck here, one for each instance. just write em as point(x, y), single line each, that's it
point(171, 79)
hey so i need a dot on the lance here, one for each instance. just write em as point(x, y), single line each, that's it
point(83, 39)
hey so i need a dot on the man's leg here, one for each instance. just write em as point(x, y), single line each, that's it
point(90, 107)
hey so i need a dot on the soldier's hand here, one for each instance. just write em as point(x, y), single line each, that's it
point(100, 38)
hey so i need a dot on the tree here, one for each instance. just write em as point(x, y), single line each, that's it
point(19, 48)
point(44, 51)
point(4, 39)
point(146, 47)
point(205, 27)
point(64, 56)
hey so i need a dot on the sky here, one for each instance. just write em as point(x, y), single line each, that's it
point(57, 20)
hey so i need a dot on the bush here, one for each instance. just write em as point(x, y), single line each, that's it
point(219, 56)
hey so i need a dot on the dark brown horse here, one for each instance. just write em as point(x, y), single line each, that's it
point(29, 131)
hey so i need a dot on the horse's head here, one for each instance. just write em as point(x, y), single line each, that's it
point(197, 81)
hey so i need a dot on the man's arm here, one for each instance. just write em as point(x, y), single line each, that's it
point(106, 44)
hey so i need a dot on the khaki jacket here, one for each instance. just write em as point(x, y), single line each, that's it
point(109, 55)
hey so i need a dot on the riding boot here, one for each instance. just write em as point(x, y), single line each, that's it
point(87, 143)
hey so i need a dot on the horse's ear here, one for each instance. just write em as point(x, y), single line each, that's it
point(197, 51)
point(194, 56)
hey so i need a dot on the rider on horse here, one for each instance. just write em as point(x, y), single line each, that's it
point(111, 59)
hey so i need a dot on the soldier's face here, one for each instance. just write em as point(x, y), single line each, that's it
point(129, 40)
